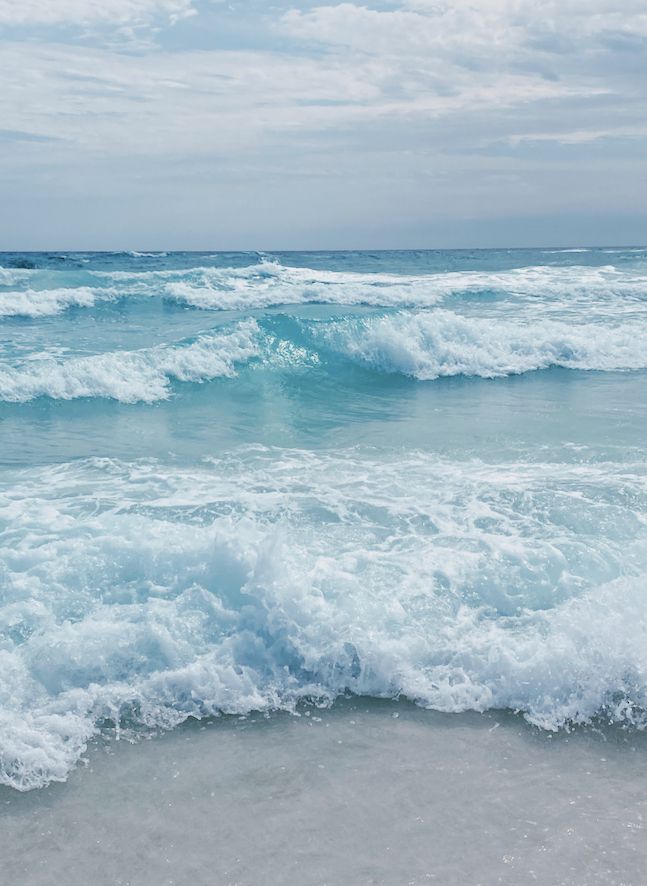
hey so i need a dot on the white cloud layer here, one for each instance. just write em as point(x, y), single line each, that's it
point(89, 12)
point(450, 108)
point(493, 32)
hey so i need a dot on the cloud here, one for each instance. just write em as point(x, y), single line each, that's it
point(411, 83)
point(13, 135)
point(424, 61)
point(461, 56)
point(493, 33)
point(92, 12)
point(456, 107)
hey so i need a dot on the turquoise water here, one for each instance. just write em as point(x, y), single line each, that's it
point(229, 482)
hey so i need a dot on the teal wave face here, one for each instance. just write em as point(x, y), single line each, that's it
point(423, 346)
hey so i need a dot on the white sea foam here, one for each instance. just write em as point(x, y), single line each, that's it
point(627, 250)
point(269, 284)
point(14, 276)
point(48, 302)
point(606, 289)
point(147, 254)
point(142, 376)
point(145, 593)
point(440, 343)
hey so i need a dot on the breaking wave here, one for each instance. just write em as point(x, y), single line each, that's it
point(142, 376)
point(270, 284)
point(137, 594)
point(422, 345)
point(48, 302)
point(440, 343)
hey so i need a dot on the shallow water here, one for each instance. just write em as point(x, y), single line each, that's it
point(232, 482)
point(368, 792)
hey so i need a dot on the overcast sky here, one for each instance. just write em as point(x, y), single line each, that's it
point(248, 124)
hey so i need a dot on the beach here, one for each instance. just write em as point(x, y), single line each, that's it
point(368, 792)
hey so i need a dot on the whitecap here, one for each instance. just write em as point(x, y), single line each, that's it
point(142, 376)
point(440, 343)
point(48, 302)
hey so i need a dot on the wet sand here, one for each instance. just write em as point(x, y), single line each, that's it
point(366, 793)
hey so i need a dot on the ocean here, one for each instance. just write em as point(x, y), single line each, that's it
point(248, 483)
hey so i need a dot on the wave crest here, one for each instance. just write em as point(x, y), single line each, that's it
point(440, 343)
point(131, 376)
point(48, 302)
point(421, 345)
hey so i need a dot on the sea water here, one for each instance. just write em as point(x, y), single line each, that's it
point(238, 482)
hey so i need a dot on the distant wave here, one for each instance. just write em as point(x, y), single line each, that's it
point(627, 250)
point(573, 249)
point(143, 594)
point(270, 284)
point(147, 254)
point(140, 376)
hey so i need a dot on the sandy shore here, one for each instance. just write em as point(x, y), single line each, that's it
point(367, 793)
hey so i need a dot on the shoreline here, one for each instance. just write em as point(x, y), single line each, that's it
point(367, 792)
